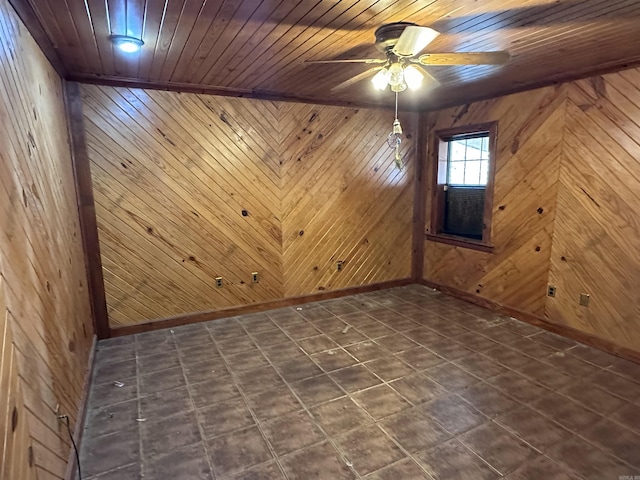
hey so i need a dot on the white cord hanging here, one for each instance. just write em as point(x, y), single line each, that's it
point(395, 138)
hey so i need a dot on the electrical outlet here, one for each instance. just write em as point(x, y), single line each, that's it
point(255, 278)
point(584, 299)
point(219, 283)
point(339, 265)
point(551, 291)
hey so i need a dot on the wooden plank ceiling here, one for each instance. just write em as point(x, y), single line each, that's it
point(260, 46)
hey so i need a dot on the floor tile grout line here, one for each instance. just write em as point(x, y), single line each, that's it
point(195, 411)
point(244, 399)
point(306, 408)
point(452, 337)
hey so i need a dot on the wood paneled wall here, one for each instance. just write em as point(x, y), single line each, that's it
point(565, 206)
point(191, 187)
point(46, 320)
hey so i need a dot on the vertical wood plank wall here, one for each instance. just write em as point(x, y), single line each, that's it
point(173, 174)
point(565, 206)
point(46, 324)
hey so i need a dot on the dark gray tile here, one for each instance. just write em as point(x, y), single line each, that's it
point(298, 369)
point(451, 377)
point(272, 337)
point(455, 415)
point(518, 387)
point(109, 372)
point(223, 417)
point(317, 390)
point(258, 380)
point(616, 440)
point(162, 361)
point(112, 418)
point(389, 368)
point(318, 343)
point(629, 416)
point(404, 469)
point(318, 462)
point(533, 428)
point(592, 397)
point(480, 366)
point(232, 453)
point(161, 380)
point(273, 403)
point(453, 461)
point(617, 385)
point(108, 452)
point(414, 431)
point(249, 360)
point(109, 394)
point(340, 416)
point(334, 359)
point(213, 391)
point(496, 446)
point(396, 343)
point(211, 369)
point(368, 449)
point(292, 432)
point(588, 461)
point(381, 401)
point(164, 435)
point(165, 404)
point(365, 351)
point(420, 358)
point(542, 468)
point(488, 400)
point(565, 412)
point(129, 472)
point(269, 471)
point(417, 388)
point(354, 378)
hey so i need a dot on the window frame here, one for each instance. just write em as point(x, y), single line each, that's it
point(439, 172)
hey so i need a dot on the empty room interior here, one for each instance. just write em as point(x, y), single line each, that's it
point(319, 240)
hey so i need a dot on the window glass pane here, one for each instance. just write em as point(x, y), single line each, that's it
point(472, 173)
point(469, 161)
point(457, 150)
point(484, 172)
point(456, 173)
point(485, 148)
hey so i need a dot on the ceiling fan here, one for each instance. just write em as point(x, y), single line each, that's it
point(401, 42)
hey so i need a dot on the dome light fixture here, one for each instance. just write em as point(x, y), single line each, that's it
point(126, 44)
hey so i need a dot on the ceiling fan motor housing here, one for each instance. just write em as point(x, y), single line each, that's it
point(387, 35)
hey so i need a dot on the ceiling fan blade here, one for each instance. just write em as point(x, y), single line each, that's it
point(413, 40)
point(429, 80)
point(356, 79)
point(465, 58)
point(352, 60)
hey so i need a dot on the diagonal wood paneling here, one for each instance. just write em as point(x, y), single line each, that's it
point(172, 174)
point(528, 159)
point(46, 324)
point(596, 247)
point(572, 151)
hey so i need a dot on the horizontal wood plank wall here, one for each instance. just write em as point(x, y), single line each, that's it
point(530, 128)
point(596, 244)
point(43, 268)
point(190, 187)
point(572, 152)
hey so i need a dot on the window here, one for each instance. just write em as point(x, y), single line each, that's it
point(464, 160)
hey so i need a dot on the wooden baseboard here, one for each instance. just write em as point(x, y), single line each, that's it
point(253, 308)
point(72, 466)
point(538, 321)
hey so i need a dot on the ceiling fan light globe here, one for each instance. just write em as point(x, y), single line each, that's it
point(413, 77)
point(381, 79)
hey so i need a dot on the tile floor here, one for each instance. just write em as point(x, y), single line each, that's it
point(401, 384)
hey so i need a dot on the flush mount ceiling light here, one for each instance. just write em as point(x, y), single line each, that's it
point(126, 44)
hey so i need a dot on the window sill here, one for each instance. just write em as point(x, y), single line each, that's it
point(459, 242)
